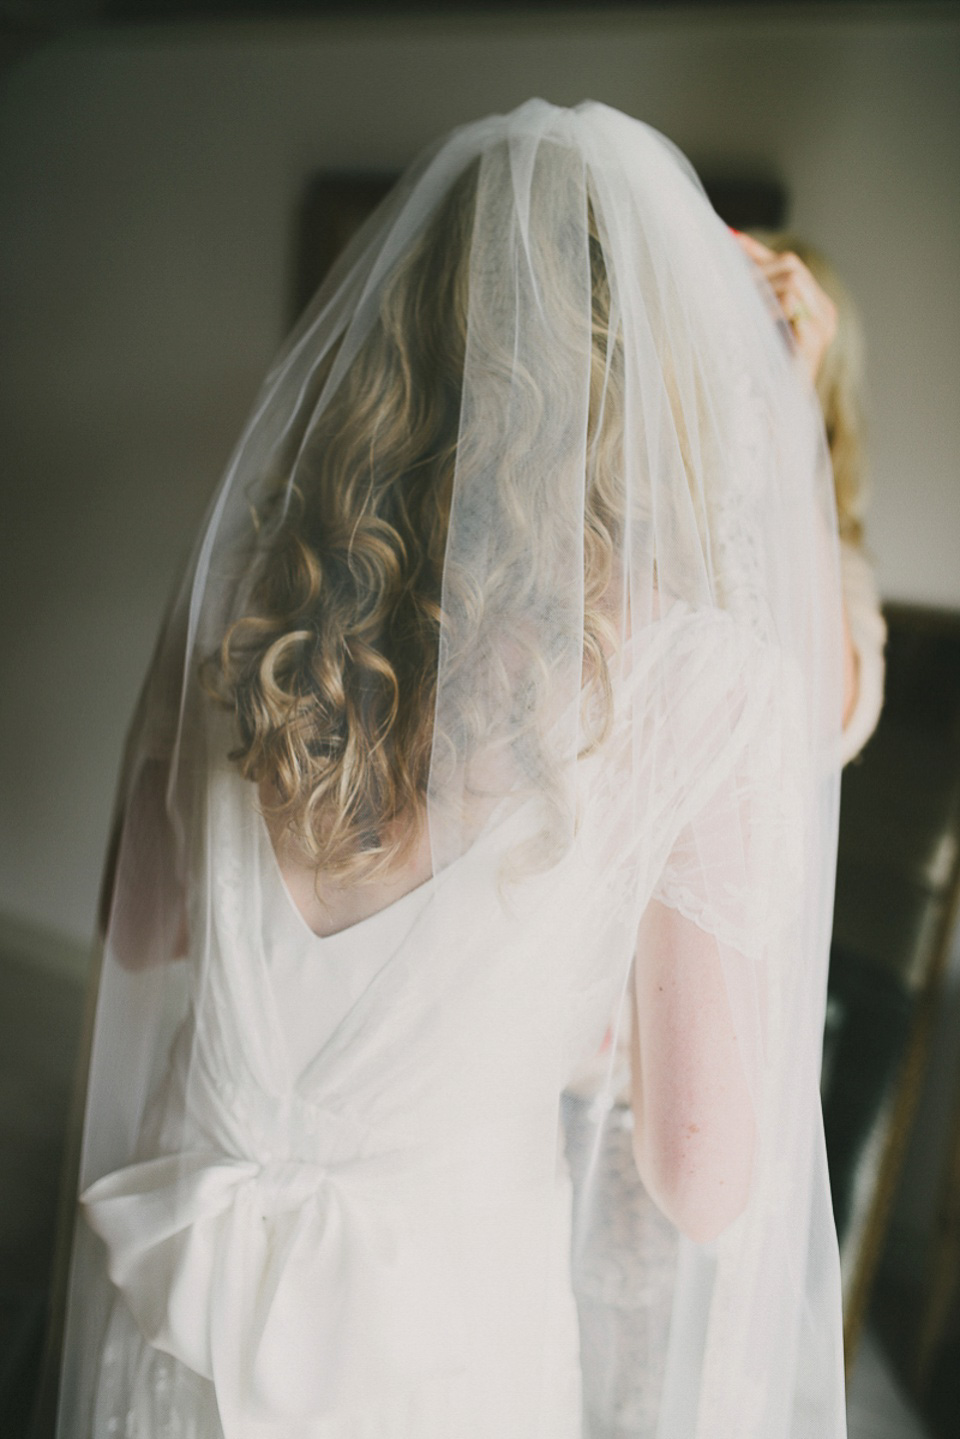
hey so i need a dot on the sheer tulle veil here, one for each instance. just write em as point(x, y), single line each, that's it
point(528, 550)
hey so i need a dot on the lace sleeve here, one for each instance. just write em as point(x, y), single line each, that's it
point(735, 866)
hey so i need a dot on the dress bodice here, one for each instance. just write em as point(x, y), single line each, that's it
point(354, 1132)
point(352, 1128)
point(315, 980)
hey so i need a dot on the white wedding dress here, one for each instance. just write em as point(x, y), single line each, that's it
point(283, 1218)
point(357, 1151)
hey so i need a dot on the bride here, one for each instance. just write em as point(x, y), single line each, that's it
point(501, 693)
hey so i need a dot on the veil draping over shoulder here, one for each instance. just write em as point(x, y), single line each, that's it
point(525, 566)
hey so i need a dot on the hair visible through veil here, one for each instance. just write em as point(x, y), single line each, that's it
point(519, 593)
point(345, 609)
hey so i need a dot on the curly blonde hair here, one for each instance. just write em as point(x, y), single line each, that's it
point(332, 670)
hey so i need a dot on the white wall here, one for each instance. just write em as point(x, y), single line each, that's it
point(150, 181)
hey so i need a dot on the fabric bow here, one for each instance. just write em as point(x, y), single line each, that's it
point(283, 1283)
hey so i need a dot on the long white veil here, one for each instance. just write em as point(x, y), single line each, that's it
point(534, 509)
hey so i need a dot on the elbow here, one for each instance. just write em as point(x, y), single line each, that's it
point(703, 1217)
point(701, 1189)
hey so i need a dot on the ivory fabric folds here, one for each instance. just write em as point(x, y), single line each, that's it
point(533, 511)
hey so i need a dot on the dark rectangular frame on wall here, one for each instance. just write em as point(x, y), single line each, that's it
point(333, 208)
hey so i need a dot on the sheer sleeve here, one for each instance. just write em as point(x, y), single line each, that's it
point(716, 924)
point(735, 867)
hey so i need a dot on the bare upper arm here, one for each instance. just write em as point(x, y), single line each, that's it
point(694, 1126)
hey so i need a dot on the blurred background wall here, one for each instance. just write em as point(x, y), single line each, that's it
point(150, 181)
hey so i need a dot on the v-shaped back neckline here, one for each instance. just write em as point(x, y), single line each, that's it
point(338, 937)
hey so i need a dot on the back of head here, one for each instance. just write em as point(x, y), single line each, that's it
point(332, 669)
